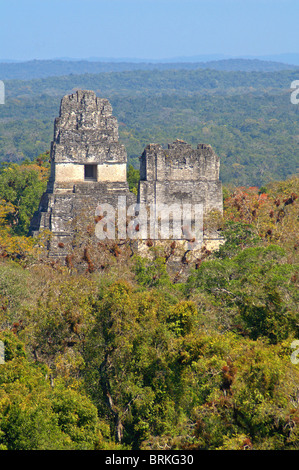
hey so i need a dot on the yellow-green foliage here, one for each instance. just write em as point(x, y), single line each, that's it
point(125, 358)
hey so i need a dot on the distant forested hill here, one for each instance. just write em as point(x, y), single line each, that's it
point(246, 116)
point(50, 68)
point(142, 82)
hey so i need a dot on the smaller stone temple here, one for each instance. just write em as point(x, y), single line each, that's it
point(180, 174)
point(89, 171)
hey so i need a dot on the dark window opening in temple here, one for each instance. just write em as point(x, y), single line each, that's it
point(90, 172)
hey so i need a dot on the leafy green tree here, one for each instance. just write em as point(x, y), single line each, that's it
point(237, 235)
point(21, 186)
point(39, 413)
point(128, 356)
point(151, 273)
point(133, 177)
point(257, 290)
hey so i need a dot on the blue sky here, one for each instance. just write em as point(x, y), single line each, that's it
point(154, 29)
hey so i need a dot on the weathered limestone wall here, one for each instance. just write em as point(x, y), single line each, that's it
point(180, 174)
point(112, 172)
point(74, 172)
point(68, 172)
point(85, 133)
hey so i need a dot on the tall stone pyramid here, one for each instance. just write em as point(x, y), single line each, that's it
point(88, 168)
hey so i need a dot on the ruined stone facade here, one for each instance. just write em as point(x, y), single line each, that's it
point(178, 176)
point(85, 145)
point(88, 168)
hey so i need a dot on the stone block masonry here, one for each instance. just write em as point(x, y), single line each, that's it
point(88, 168)
point(180, 174)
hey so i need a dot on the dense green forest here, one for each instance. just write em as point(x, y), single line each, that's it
point(124, 352)
point(247, 117)
point(129, 355)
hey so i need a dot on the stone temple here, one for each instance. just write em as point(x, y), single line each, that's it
point(89, 168)
point(180, 174)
